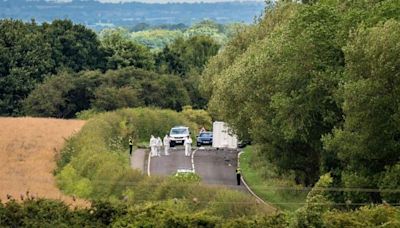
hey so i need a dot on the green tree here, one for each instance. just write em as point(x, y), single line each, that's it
point(184, 56)
point(156, 39)
point(207, 28)
point(66, 94)
point(369, 139)
point(187, 58)
point(124, 52)
point(25, 59)
point(73, 46)
point(279, 90)
point(62, 95)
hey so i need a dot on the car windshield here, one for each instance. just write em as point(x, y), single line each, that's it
point(179, 131)
point(207, 134)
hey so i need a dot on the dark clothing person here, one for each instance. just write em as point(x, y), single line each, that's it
point(130, 147)
point(238, 176)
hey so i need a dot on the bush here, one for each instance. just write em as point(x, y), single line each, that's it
point(317, 204)
point(46, 213)
point(391, 180)
point(186, 177)
point(368, 216)
point(201, 117)
point(86, 114)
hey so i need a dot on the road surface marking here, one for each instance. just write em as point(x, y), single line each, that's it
point(194, 171)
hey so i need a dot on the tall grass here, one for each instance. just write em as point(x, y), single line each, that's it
point(277, 189)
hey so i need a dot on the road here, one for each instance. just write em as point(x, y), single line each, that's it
point(215, 167)
point(168, 165)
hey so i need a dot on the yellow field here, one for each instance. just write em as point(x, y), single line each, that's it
point(28, 147)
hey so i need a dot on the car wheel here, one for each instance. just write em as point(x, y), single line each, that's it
point(198, 144)
point(172, 144)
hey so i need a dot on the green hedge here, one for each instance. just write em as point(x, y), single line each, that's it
point(95, 164)
point(171, 213)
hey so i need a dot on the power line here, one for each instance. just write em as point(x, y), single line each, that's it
point(217, 184)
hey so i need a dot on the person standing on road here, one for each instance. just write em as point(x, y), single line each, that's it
point(152, 146)
point(166, 145)
point(130, 146)
point(159, 145)
point(238, 175)
point(188, 146)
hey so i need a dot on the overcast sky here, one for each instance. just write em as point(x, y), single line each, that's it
point(165, 1)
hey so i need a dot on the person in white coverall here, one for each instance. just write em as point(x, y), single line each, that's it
point(153, 146)
point(188, 146)
point(166, 145)
point(159, 145)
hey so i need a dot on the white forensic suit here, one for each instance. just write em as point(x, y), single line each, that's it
point(153, 143)
point(166, 145)
point(188, 146)
point(159, 145)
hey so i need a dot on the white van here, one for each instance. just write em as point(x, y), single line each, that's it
point(223, 136)
point(177, 135)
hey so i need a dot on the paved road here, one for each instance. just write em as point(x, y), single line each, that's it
point(167, 165)
point(215, 167)
point(138, 159)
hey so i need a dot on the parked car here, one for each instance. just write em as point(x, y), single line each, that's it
point(244, 143)
point(205, 138)
point(177, 135)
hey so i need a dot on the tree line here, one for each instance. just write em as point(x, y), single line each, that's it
point(60, 68)
point(316, 85)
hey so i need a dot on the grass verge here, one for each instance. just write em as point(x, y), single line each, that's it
point(264, 180)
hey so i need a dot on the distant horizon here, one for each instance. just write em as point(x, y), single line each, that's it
point(162, 1)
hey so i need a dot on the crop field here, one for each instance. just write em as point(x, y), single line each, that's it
point(28, 148)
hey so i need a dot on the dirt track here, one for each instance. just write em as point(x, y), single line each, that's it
point(27, 150)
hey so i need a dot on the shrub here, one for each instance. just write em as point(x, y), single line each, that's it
point(317, 204)
point(201, 117)
point(368, 216)
point(391, 180)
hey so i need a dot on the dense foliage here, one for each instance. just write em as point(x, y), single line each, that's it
point(177, 213)
point(316, 86)
point(30, 52)
point(59, 69)
point(66, 94)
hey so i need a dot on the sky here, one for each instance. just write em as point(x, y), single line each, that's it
point(165, 1)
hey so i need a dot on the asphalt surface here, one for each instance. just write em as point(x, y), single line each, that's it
point(215, 167)
point(168, 165)
point(138, 159)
